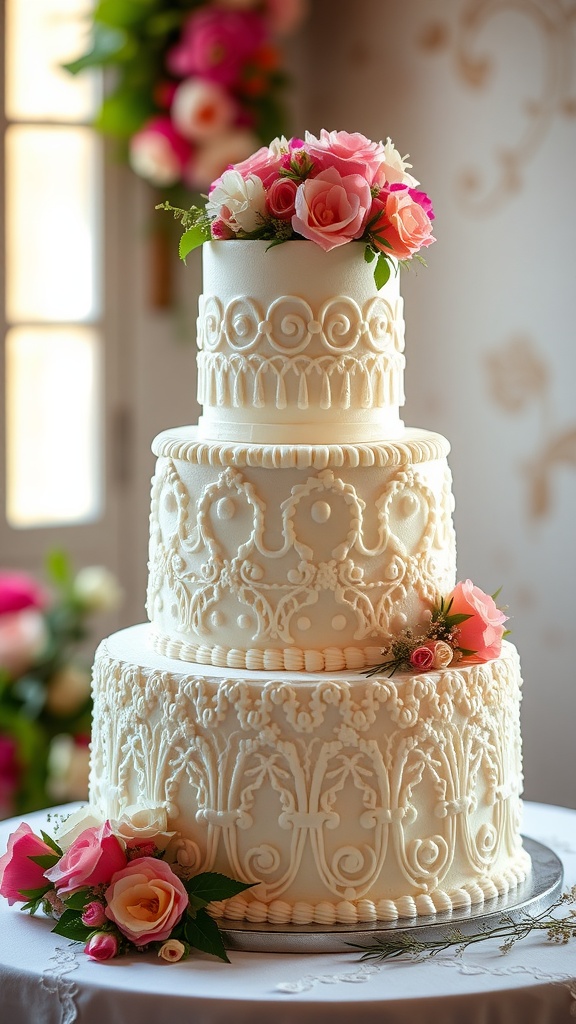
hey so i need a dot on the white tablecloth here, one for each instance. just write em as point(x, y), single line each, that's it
point(44, 979)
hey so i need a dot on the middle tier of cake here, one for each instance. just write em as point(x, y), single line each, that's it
point(303, 558)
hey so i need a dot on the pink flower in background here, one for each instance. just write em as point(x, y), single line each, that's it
point(218, 152)
point(23, 637)
point(422, 658)
point(399, 225)
point(89, 861)
point(101, 946)
point(17, 871)
point(146, 900)
point(94, 914)
point(18, 591)
point(284, 16)
point(9, 774)
point(158, 153)
point(281, 198)
point(201, 109)
point(348, 153)
point(481, 633)
point(331, 209)
point(216, 43)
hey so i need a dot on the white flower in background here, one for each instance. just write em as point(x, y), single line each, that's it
point(201, 109)
point(228, 148)
point(23, 637)
point(67, 690)
point(69, 829)
point(239, 202)
point(145, 821)
point(97, 589)
point(68, 770)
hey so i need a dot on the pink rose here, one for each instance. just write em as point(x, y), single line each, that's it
point(331, 209)
point(482, 633)
point(422, 658)
point(101, 946)
point(146, 900)
point(399, 226)
point(265, 163)
point(348, 153)
point(17, 872)
point(281, 198)
point(91, 860)
point(18, 591)
point(216, 44)
point(94, 915)
point(201, 109)
point(158, 153)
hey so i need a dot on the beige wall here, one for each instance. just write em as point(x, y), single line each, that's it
point(483, 96)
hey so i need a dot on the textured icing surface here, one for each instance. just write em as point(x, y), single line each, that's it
point(264, 558)
point(294, 339)
point(346, 799)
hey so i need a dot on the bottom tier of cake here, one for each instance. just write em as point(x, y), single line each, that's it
point(343, 798)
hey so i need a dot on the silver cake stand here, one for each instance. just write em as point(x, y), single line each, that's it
point(533, 896)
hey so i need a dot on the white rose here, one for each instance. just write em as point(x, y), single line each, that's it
point(67, 690)
point(143, 822)
point(216, 154)
point(394, 167)
point(97, 589)
point(172, 950)
point(201, 109)
point(239, 202)
point(68, 830)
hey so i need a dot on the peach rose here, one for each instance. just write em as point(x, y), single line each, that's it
point(146, 900)
point(442, 654)
point(399, 224)
point(330, 209)
point(91, 860)
point(17, 872)
point(481, 633)
point(172, 951)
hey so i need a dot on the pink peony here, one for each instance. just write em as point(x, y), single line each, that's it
point(216, 44)
point(17, 872)
point(482, 633)
point(146, 900)
point(422, 658)
point(101, 946)
point(281, 198)
point(158, 153)
point(91, 860)
point(18, 591)
point(201, 109)
point(94, 915)
point(348, 153)
point(399, 226)
point(331, 209)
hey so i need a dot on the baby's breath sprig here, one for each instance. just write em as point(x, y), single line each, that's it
point(509, 931)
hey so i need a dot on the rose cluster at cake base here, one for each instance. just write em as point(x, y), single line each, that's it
point(112, 886)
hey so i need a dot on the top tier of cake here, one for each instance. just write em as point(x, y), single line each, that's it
point(312, 353)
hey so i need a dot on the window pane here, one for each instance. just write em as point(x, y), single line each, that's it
point(53, 419)
point(51, 218)
point(41, 35)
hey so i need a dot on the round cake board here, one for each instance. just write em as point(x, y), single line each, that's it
point(533, 896)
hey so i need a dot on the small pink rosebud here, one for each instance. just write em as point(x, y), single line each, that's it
point(94, 915)
point(220, 231)
point(422, 658)
point(101, 946)
point(281, 198)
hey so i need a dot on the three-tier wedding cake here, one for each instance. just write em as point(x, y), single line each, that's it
point(296, 534)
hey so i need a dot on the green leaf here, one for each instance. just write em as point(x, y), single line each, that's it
point(45, 860)
point(211, 886)
point(59, 568)
point(123, 13)
point(190, 240)
point(457, 618)
point(51, 842)
point(107, 43)
point(78, 900)
point(35, 894)
point(70, 925)
point(203, 933)
point(369, 254)
point(381, 271)
point(124, 112)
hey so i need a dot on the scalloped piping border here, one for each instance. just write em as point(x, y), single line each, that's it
point(362, 911)
point(417, 446)
point(290, 659)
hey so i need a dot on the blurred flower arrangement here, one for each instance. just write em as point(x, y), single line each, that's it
point(197, 85)
point(45, 702)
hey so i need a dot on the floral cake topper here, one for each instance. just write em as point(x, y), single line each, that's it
point(331, 190)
